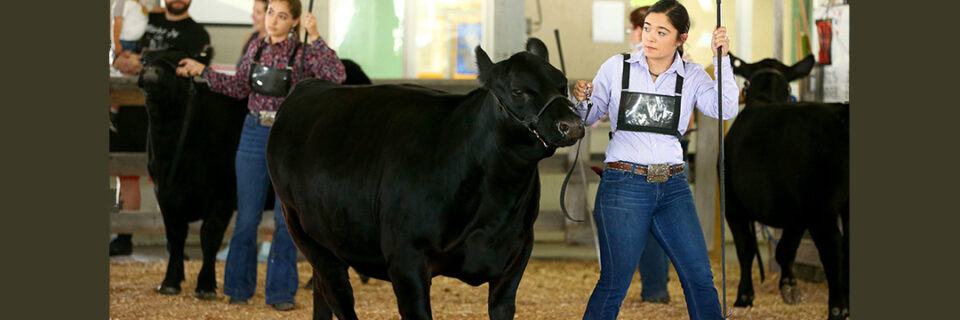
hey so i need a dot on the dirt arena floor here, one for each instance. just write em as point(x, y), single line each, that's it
point(550, 289)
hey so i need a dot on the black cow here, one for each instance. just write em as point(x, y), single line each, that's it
point(787, 167)
point(355, 75)
point(192, 135)
point(405, 183)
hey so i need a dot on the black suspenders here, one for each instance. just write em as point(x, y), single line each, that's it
point(625, 84)
point(625, 79)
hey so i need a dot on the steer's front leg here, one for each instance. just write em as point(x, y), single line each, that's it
point(411, 284)
point(502, 299)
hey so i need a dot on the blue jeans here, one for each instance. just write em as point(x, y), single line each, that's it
point(628, 209)
point(129, 45)
point(654, 267)
point(240, 274)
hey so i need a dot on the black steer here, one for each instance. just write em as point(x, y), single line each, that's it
point(787, 167)
point(355, 75)
point(406, 183)
point(192, 143)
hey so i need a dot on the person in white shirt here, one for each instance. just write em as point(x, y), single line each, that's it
point(129, 24)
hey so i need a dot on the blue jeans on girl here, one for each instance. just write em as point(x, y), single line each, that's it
point(627, 209)
point(653, 269)
point(240, 274)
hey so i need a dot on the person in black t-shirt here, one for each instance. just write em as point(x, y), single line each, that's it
point(172, 28)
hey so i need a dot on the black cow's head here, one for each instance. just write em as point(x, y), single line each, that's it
point(160, 83)
point(533, 93)
point(158, 75)
point(769, 79)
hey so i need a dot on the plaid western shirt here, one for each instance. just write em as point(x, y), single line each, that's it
point(321, 62)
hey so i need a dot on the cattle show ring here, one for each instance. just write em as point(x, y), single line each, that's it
point(462, 176)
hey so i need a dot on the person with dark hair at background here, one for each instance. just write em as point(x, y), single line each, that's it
point(270, 67)
point(172, 28)
point(259, 31)
point(644, 188)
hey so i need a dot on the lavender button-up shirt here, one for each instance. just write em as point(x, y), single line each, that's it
point(698, 90)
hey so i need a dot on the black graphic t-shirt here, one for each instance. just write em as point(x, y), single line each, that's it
point(186, 35)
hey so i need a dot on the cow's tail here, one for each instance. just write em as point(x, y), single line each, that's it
point(753, 232)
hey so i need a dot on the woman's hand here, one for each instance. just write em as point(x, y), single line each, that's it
point(582, 90)
point(189, 68)
point(310, 25)
point(721, 40)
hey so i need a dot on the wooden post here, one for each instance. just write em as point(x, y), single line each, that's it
point(705, 189)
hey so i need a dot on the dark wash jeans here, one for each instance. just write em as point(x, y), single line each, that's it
point(240, 274)
point(627, 210)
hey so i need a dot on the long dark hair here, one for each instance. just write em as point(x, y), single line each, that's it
point(677, 14)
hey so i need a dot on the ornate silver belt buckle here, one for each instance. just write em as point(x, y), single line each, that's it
point(267, 118)
point(658, 172)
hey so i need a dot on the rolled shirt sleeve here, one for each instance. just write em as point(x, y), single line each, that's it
point(706, 93)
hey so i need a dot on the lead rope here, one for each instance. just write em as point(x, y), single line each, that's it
point(723, 239)
point(563, 188)
point(183, 133)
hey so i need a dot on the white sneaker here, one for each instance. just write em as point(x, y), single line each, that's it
point(222, 255)
point(264, 252)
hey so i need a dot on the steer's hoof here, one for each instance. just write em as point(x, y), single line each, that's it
point(205, 295)
point(837, 314)
point(168, 290)
point(743, 301)
point(791, 294)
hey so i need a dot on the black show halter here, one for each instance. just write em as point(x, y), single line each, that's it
point(530, 121)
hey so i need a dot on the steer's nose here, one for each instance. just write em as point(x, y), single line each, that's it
point(570, 129)
point(149, 74)
point(564, 127)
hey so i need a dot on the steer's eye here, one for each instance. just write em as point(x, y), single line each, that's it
point(517, 92)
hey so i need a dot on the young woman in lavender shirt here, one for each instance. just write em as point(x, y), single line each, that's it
point(644, 188)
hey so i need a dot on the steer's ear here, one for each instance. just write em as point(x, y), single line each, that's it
point(537, 47)
point(739, 66)
point(484, 65)
point(801, 69)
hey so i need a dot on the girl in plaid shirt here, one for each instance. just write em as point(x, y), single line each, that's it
point(279, 50)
